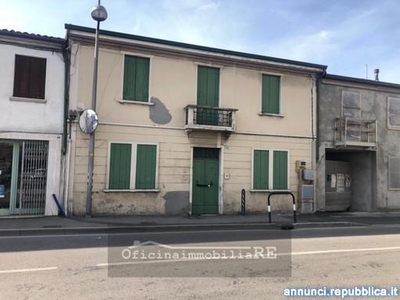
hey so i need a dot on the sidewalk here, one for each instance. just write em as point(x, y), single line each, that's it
point(73, 225)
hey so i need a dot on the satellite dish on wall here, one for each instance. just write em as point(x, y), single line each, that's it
point(88, 121)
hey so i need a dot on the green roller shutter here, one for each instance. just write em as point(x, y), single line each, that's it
point(146, 167)
point(280, 177)
point(120, 166)
point(260, 169)
point(136, 78)
point(270, 94)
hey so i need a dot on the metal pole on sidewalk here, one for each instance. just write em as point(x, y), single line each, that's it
point(99, 14)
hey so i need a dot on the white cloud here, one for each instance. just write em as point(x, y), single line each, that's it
point(14, 17)
point(343, 34)
point(313, 47)
point(201, 22)
point(209, 6)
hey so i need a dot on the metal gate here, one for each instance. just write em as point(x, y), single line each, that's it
point(31, 198)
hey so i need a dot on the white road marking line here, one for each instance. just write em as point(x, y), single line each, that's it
point(147, 262)
point(278, 254)
point(27, 270)
point(77, 235)
point(165, 261)
point(329, 228)
point(342, 251)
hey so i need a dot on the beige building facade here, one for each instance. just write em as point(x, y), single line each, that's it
point(183, 128)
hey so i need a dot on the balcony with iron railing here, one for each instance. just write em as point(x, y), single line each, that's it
point(355, 133)
point(210, 118)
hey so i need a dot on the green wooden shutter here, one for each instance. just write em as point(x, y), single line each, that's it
point(207, 95)
point(142, 79)
point(136, 78)
point(207, 86)
point(120, 166)
point(260, 169)
point(270, 94)
point(146, 163)
point(201, 86)
point(280, 172)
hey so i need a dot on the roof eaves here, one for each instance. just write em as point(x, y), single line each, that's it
point(196, 47)
point(361, 81)
point(26, 35)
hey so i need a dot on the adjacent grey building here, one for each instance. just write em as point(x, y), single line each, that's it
point(358, 155)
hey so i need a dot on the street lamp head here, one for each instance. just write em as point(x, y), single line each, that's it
point(99, 13)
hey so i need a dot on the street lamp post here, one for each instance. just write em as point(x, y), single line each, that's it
point(99, 14)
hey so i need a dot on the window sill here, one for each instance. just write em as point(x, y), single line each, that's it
point(32, 100)
point(132, 191)
point(135, 102)
point(271, 115)
point(393, 127)
point(268, 191)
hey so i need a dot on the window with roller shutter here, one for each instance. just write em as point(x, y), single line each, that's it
point(29, 77)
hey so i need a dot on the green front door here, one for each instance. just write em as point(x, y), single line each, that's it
point(207, 95)
point(205, 184)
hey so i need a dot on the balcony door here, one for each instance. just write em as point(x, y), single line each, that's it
point(207, 95)
point(351, 110)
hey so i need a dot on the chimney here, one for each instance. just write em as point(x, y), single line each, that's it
point(376, 71)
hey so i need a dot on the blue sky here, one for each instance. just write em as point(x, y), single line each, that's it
point(350, 36)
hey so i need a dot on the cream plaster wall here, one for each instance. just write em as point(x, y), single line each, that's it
point(173, 81)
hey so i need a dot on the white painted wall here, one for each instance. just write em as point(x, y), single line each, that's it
point(27, 120)
point(19, 116)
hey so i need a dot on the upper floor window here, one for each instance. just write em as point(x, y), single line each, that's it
point(207, 95)
point(29, 77)
point(393, 113)
point(351, 105)
point(270, 95)
point(351, 110)
point(136, 78)
point(208, 86)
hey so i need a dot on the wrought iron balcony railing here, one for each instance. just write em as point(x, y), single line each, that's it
point(210, 118)
point(355, 133)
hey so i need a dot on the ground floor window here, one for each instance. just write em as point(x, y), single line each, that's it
point(270, 169)
point(132, 166)
point(394, 173)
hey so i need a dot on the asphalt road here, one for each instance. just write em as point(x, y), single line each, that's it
point(258, 264)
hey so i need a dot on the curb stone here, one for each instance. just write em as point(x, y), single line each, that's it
point(164, 228)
